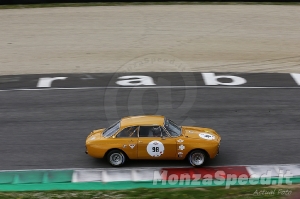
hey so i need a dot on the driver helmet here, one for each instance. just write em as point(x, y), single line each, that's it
point(156, 131)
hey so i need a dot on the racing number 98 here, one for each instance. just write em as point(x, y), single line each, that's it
point(155, 149)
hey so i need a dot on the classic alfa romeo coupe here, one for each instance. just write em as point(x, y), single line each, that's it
point(152, 137)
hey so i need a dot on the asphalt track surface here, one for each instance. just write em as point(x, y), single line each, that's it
point(46, 129)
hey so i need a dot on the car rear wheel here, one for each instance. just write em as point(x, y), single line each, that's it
point(197, 158)
point(116, 158)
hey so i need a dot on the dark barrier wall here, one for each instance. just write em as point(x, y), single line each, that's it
point(50, 1)
point(10, 2)
point(86, 1)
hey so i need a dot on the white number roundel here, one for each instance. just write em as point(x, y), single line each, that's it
point(155, 148)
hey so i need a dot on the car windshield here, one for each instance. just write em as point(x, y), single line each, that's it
point(172, 128)
point(111, 130)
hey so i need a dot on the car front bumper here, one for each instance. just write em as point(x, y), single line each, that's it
point(218, 148)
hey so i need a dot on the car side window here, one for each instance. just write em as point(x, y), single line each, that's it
point(152, 131)
point(163, 132)
point(144, 131)
point(128, 132)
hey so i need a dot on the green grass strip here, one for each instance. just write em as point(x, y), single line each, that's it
point(235, 192)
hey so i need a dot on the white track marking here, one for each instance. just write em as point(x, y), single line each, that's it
point(132, 80)
point(47, 81)
point(150, 168)
point(296, 77)
point(212, 79)
point(152, 87)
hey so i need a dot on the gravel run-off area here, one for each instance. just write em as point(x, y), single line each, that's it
point(206, 38)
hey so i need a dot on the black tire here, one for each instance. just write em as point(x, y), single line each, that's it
point(197, 158)
point(116, 158)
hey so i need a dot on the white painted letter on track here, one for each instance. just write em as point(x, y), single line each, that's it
point(296, 77)
point(47, 81)
point(212, 79)
point(138, 80)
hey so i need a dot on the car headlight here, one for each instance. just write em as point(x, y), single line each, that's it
point(92, 137)
point(207, 136)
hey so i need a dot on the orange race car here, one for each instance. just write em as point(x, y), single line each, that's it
point(152, 137)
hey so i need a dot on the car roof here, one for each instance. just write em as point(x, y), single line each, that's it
point(142, 120)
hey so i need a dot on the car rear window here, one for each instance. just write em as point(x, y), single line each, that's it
point(111, 130)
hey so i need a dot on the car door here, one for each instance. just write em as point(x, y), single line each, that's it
point(155, 143)
point(128, 138)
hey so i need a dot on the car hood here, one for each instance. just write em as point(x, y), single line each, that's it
point(200, 133)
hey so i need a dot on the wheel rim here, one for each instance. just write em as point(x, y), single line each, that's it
point(197, 158)
point(116, 158)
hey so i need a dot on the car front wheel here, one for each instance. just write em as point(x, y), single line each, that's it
point(197, 158)
point(116, 158)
